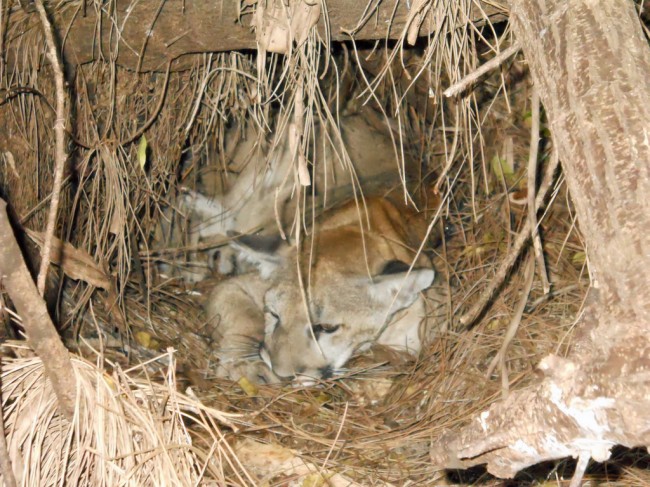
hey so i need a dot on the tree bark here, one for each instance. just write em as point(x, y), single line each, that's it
point(41, 332)
point(591, 64)
point(197, 26)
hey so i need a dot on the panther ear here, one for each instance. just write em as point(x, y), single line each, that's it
point(395, 278)
point(263, 251)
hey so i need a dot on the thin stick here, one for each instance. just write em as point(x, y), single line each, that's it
point(61, 155)
point(40, 204)
point(200, 93)
point(336, 439)
point(149, 33)
point(137, 267)
point(460, 86)
point(532, 170)
point(475, 311)
point(500, 357)
point(5, 461)
point(3, 15)
point(211, 243)
point(581, 467)
point(552, 294)
point(156, 111)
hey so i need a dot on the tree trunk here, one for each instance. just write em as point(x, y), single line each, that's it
point(591, 64)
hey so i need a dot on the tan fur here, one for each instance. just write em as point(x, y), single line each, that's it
point(264, 191)
point(352, 302)
point(235, 309)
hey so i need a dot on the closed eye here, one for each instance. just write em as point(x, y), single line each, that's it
point(324, 328)
point(271, 321)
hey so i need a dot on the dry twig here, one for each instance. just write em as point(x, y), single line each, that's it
point(475, 311)
point(532, 171)
point(581, 467)
point(500, 357)
point(156, 112)
point(59, 130)
point(149, 33)
point(490, 65)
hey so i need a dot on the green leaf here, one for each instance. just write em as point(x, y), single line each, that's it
point(579, 258)
point(142, 152)
point(501, 167)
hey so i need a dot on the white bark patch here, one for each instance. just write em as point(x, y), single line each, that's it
point(483, 420)
point(522, 447)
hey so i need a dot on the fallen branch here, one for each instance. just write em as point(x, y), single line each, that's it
point(199, 27)
point(41, 333)
point(59, 133)
point(496, 61)
point(156, 112)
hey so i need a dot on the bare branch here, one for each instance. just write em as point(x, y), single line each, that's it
point(500, 357)
point(532, 172)
point(496, 61)
point(40, 330)
point(60, 133)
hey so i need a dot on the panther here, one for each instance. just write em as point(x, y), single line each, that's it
point(264, 192)
point(308, 307)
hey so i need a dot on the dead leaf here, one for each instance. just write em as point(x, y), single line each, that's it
point(273, 459)
point(145, 339)
point(372, 391)
point(390, 356)
point(248, 387)
point(76, 263)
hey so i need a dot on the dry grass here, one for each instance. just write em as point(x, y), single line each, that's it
point(374, 426)
point(127, 430)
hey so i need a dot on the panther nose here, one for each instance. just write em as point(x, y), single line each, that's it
point(313, 378)
point(326, 372)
